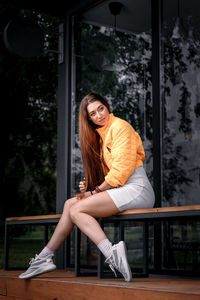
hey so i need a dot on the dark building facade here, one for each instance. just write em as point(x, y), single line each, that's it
point(145, 60)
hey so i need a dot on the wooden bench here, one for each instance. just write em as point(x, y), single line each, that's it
point(141, 215)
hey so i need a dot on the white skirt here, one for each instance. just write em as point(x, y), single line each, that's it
point(136, 193)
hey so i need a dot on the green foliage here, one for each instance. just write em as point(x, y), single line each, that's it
point(29, 111)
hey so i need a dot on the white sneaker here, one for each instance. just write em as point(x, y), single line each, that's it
point(118, 260)
point(38, 266)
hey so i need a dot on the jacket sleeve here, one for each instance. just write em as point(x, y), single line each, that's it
point(124, 154)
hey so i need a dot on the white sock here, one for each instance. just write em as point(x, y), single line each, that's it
point(105, 247)
point(46, 252)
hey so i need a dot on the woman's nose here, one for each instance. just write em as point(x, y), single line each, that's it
point(98, 114)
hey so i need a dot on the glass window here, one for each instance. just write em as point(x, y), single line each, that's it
point(181, 104)
point(181, 248)
point(181, 129)
point(116, 63)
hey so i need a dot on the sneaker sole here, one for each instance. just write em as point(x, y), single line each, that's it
point(124, 251)
point(38, 272)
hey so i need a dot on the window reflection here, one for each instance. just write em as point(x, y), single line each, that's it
point(181, 122)
point(181, 130)
point(181, 247)
point(118, 66)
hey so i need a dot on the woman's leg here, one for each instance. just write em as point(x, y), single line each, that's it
point(84, 214)
point(100, 205)
point(66, 224)
point(64, 227)
point(43, 262)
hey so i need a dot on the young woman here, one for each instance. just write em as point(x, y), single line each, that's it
point(115, 180)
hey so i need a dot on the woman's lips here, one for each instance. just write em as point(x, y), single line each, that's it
point(102, 120)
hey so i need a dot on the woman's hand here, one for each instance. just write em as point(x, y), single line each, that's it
point(85, 195)
point(82, 186)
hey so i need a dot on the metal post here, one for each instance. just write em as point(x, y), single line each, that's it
point(157, 122)
point(68, 252)
point(63, 183)
point(77, 251)
point(100, 269)
point(146, 247)
point(157, 105)
point(121, 231)
point(5, 265)
point(46, 227)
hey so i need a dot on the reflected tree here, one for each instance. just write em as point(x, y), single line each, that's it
point(180, 60)
point(29, 87)
point(118, 66)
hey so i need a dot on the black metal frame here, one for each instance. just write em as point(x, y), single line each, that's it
point(156, 19)
point(155, 217)
point(44, 222)
point(146, 218)
point(101, 271)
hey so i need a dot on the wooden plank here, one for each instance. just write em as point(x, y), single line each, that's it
point(63, 285)
point(3, 290)
point(126, 212)
point(138, 211)
point(25, 218)
point(179, 208)
point(161, 209)
point(13, 298)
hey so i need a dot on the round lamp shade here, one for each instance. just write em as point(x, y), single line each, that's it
point(23, 37)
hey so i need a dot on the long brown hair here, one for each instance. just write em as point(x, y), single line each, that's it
point(89, 142)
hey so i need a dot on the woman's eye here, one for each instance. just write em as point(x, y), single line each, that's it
point(101, 108)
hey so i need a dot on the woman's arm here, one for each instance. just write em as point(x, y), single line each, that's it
point(127, 153)
point(102, 187)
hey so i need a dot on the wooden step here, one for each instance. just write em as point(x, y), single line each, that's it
point(61, 285)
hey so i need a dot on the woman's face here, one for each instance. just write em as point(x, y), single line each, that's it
point(98, 113)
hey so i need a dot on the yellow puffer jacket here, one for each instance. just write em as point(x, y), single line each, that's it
point(121, 151)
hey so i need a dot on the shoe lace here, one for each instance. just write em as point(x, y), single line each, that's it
point(113, 269)
point(112, 264)
point(33, 259)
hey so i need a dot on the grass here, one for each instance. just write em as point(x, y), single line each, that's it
point(22, 248)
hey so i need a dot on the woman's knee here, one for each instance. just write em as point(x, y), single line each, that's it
point(69, 203)
point(74, 212)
